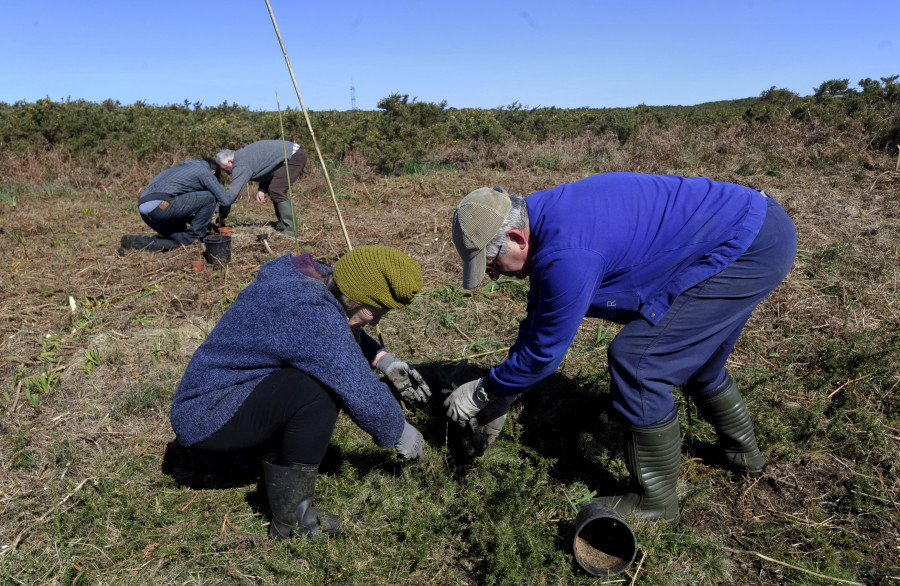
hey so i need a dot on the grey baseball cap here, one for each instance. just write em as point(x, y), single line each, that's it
point(476, 221)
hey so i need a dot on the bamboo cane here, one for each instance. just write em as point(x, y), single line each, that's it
point(287, 171)
point(309, 125)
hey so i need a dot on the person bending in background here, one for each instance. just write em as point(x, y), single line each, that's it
point(681, 262)
point(179, 205)
point(275, 375)
point(263, 161)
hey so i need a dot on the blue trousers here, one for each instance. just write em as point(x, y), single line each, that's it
point(688, 347)
point(184, 221)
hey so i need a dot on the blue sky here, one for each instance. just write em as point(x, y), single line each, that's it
point(482, 54)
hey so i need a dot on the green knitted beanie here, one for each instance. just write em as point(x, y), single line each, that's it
point(378, 276)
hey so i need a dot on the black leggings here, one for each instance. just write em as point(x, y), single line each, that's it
point(287, 407)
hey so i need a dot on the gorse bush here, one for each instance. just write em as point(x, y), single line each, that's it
point(404, 131)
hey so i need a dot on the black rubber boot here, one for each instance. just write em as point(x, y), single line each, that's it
point(653, 458)
point(133, 241)
point(148, 243)
point(291, 489)
point(284, 211)
point(736, 449)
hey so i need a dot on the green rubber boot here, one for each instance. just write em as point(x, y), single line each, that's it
point(736, 449)
point(291, 489)
point(286, 223)
point(653, 458)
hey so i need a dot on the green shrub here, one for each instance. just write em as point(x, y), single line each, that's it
point(404, 132)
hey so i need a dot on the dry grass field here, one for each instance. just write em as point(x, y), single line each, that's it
point(94, 491)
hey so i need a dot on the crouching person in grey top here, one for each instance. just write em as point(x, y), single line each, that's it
point(179, 205)
point(264, 161)
point(276, 375)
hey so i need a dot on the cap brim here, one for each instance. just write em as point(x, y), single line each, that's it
point(473, 270)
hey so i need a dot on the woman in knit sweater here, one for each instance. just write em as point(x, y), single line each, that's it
point(278, 372)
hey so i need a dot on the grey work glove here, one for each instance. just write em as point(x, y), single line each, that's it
point(404, 378)
point(411, 444)
point(473, 398)
point(486, 428)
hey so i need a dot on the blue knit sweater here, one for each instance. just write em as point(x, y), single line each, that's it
point(283, 318)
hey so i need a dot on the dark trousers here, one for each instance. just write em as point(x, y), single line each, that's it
point(688, 347)
point(277, 188)
point(289, 411)
point(185, 219)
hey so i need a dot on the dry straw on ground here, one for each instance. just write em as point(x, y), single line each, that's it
point(143, 314)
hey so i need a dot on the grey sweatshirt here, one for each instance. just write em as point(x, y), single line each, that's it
point(256, 162)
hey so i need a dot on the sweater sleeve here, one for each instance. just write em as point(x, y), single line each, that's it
point(212, 185)
point(326, 349)
point(240, 176)
point(563, 286)
point(369, 345)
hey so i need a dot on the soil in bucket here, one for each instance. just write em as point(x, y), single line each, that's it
point(218, 249)
point(604, 544)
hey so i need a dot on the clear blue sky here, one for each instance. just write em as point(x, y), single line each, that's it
point(487, 53)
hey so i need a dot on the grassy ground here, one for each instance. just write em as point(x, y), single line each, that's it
point(94, 491)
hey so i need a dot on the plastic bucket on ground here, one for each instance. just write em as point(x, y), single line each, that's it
point(604, 543)
point(218, 249)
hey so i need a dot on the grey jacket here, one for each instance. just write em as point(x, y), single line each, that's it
point(188, 177)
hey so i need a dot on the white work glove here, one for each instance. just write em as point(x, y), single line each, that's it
point(411, 444)
point(469, 399)
point(405, 379)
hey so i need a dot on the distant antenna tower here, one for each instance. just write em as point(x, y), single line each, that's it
point(352, 95)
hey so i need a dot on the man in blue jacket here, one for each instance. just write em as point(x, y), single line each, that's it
point(680, 262)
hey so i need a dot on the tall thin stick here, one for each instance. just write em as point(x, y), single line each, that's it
point(309, 125)
point(287, 171)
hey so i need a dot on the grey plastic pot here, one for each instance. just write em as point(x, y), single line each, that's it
point(604, 544)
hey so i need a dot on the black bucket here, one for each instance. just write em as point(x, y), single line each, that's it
point(604, 543)
point(218, 249)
